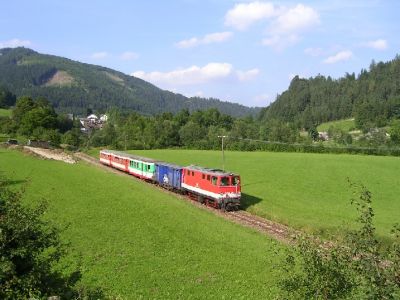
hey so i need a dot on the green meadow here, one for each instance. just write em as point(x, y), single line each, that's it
point(345, 125)
point(137, 242)
point(303, 190)
point(5, 112)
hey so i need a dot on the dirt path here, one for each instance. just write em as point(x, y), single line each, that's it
point(51, 154)
point(275, 230)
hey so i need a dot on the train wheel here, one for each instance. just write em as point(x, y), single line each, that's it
point(200, 199)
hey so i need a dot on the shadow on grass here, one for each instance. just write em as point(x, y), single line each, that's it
point(7, 182)
point(248, 200)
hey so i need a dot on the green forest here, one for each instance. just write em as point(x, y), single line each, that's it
point(372, 98)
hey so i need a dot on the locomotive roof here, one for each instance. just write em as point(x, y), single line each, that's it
point(210, 171)
point(120, 153)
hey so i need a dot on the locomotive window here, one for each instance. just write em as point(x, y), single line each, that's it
point(192, 173)
point(208, 177)
point(214, 180)
point(203, 176)
point(224, 181)
point(188, 172)
point(236, 180)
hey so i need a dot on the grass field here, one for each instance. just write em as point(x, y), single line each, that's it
point(345, 125)
point(306, 191)
point(5, 112)
point(138, 242)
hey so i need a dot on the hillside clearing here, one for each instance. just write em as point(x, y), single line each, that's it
point(60, 78)
point(344, 125)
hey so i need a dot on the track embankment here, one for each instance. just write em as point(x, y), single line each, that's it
point(54, 154)
point(273, 229)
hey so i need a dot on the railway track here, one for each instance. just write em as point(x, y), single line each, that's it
point(273, 229)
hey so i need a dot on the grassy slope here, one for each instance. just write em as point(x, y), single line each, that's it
point(345, 125)
point(5, 112)
point(139, 242)
point(307, 191)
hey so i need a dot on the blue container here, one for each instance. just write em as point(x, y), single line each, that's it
point(169, 175)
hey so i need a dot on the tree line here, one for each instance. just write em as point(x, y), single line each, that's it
point(37, 119)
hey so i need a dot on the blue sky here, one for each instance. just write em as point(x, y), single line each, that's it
point(238, 51)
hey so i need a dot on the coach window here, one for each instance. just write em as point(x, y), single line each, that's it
point(203, 176)
point(208, 178)
point(192, 173)
point(188, 172)
point(214, 180)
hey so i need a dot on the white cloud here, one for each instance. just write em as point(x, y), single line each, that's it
point(217, 37)
point(340, 56)
point(279, 42)
point(13, 43)
point(189, 76)
point(296, 19)
point(99, 55)
point(243, 15)
point(379, 44)
point(195, 75)
point(286, 29)
point(129, 55)
point(285, 24)
point(313, 51)
point(247, 75)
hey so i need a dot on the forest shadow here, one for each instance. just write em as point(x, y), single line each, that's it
point(248, 200)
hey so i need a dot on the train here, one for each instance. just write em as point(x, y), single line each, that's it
point(212, 187)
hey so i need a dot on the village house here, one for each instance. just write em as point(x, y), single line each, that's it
point(92, 122)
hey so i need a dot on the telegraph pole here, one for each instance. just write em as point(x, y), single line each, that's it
point(223, 155)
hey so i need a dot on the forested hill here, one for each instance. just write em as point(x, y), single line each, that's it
point(72, 86)
point(372, 96)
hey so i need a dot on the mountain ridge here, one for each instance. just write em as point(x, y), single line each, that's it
point(73, 86)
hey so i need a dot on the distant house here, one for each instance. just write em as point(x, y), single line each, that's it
point(92, 118)
point(103, 118)
point(92, 122)
point(323, 135)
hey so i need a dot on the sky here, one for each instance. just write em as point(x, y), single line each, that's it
point(245, 52)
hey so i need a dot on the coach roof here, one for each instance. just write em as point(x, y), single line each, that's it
point(127, 155)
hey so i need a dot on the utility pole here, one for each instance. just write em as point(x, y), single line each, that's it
point(223, 155)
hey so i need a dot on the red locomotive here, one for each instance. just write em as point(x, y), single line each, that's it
point(212, 186)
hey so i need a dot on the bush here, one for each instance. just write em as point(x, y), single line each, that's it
point(30, 248)
point(360, 267)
